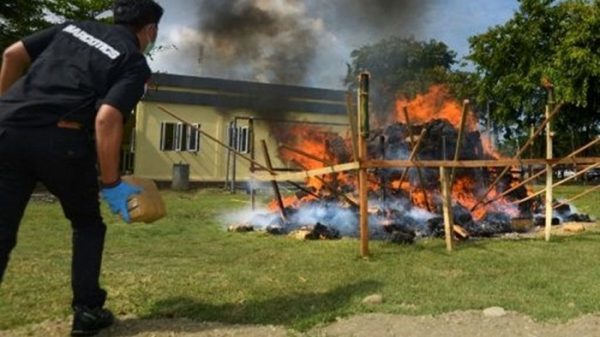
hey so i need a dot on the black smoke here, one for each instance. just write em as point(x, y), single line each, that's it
point(283, 41)
point(241, 36)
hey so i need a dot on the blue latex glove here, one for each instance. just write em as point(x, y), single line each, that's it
point(116, 197)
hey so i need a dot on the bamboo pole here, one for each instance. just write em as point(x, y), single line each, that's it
point(557, 184)
point(517, 156)
point(234, 158)
point(413, 154)
point(508, 162)
point(253, 157)
point(549, 169)
point(204, 133)
point(447, 207)
point(363, 118)
point(273, 182)
point(524, 182)
point(303, 189)
point(461, 130)
point(532, 177)
point(353, 125)
point(584, 193)
point(370, 164)
point(382, 176)
point(327, 185)
point(412, 142)
point(306, 154)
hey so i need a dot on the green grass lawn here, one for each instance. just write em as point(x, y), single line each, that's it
point(187, 266)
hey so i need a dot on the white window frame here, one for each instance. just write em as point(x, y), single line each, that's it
point(164, 125)
point(239, 138)
point(193, 133)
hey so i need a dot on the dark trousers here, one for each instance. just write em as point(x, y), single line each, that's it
point(64, 161)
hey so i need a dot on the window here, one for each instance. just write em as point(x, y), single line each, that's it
point(193, 138)
point(239, 138)
point(167, 136)
point(179, 137)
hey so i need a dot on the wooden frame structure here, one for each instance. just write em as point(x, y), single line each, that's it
point(359, 122)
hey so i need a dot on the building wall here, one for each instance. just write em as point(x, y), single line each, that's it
point(209, 164)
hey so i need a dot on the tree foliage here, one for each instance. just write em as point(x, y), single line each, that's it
point(547, 41)
point(19, 18)
point(401, 67)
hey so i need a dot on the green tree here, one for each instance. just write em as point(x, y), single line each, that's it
point(19, 18)
point(401, 67)
point(546, 41)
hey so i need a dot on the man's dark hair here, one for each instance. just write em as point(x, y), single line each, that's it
point(136, 13)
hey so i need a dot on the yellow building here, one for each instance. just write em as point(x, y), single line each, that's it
point(237, 113)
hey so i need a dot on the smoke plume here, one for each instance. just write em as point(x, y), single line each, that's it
point(305, 42)
point(256, 40)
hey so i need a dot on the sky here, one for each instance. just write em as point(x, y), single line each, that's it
point(306, 42)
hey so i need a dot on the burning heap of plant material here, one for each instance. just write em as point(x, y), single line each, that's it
point(404, 204)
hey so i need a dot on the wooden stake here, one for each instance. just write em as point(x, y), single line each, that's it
point(461, 129)
point(412, 142)
point(363, 118)
point(353, 125)
point(253, 157)
point(413, 154)
point(447, 207)
point(273, 182)
point(549, 170)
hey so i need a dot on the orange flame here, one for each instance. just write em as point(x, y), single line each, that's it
point(435, 104)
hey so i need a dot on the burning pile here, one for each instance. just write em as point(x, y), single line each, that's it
point(404, 204)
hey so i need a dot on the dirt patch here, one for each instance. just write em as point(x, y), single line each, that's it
point(456, 324)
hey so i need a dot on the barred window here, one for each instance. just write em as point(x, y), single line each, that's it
point(239, 138)
point(179, 137)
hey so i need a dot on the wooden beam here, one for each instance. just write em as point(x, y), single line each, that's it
point(303, 189)
point(549, 170)
point(526, 181)
point(517, 156)
point(273, 182)
point(557, 184)
point(461, 130)
point(351, 111)
point(413, 155)
point(447, 207)
point(306, 154)
point(504, 162)
point(363, 118)
point(297, 176)
point(584, 193)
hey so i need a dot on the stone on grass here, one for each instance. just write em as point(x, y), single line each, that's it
point(373, 299)
point(494, 312)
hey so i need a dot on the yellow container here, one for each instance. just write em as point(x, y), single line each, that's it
point(147, 206)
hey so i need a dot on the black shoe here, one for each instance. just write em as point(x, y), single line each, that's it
point(88, 322)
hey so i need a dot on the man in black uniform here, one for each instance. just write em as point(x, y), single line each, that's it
point(84, 79)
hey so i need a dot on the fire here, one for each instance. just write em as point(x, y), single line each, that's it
point(462, 192)
point(309, 147)
point(488, 147)
point(435, 104)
